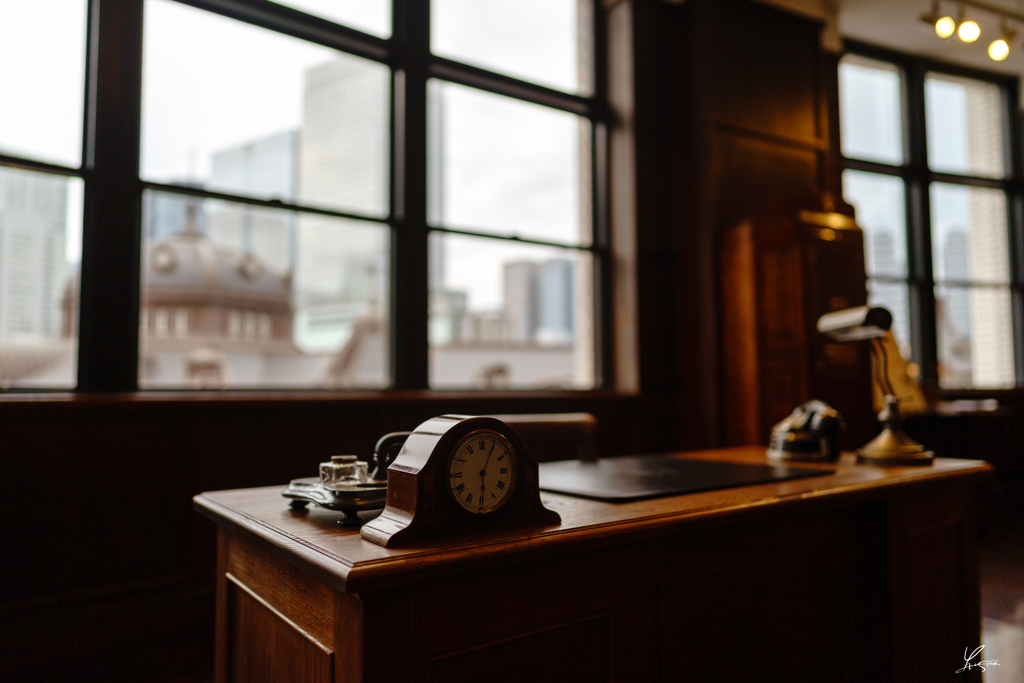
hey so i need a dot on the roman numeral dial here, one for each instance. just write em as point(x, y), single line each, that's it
point(481, 471)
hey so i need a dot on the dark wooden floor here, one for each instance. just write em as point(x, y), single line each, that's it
point(1002, 602)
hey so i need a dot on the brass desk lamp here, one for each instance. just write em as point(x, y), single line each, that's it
point(893, 446)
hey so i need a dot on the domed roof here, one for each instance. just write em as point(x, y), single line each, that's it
point(190, 266)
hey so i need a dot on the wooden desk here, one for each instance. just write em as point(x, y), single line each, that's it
point(869, 574)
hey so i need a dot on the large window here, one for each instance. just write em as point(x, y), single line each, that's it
point(933, 167)
point(306, 194)
point(40, 189)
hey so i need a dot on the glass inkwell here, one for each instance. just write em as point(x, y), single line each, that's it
point(346, 483)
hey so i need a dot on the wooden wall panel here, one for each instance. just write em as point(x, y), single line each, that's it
point(754, 175)
point(84, 491)
point(732, 120)
point(752, 44)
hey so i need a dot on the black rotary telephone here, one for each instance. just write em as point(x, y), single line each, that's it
point(811, 432)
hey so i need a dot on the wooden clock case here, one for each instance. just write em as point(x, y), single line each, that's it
point(419, 504)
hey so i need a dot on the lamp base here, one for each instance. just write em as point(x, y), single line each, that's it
point(893, 446)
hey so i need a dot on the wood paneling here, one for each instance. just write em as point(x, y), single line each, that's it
point(266, 647)
point(778, 277)
point(292, 593)
point(765, 621)
point(536, 656)
point(754, 175)
point(766, 70)
point(927, 528)
point(732, 119)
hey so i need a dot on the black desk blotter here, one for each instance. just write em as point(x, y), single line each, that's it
point(635, 477)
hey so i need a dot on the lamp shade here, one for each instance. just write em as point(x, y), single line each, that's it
point(854, 324)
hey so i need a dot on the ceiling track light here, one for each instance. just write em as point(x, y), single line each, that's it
point(944, 25)
point(966, 29)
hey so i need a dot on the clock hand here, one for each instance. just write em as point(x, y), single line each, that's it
point(488, 459)
point(483, 473)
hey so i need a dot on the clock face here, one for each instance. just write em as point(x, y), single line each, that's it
point(481, 471)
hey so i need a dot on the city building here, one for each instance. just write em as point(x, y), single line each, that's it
point(555, 302)
point(33, 215)
point(341, 267)
point(268, 168)
point(164, 215)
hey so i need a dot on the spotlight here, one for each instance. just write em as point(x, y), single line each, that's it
point(968, 31)
point(999, 49)
point(945, 27)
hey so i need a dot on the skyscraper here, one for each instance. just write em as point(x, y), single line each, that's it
point(555, 301)
point(342, 269)
point(956, 267)
point(539, 301)
point(165, 215)
point(520, 288)
point(33, 264)
point(266, 167)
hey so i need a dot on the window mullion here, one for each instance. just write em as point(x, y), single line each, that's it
point(1015, 209)
point(600, 179)
point(919, 248)
point(409, 295)
point(108, 348)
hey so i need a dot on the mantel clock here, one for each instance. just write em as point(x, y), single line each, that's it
point(459, 474)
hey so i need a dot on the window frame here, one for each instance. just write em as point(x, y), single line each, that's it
point(109, 308)
point(917, 178)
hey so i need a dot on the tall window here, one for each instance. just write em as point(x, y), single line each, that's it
point(933, 169)
point(40, 189)
point(386, 193)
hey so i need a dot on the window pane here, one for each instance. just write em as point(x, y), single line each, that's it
point(40, 253)
point(870, 117)
point(369, 16)
point(248, 111)
point(544, 41)
point(42, 72)
point(506, 167)
point(893, 296)
point(975, 337)
point(509, 315)
point(242, 296)
point(964, 119)
point(969, 234)
point(881, 214)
